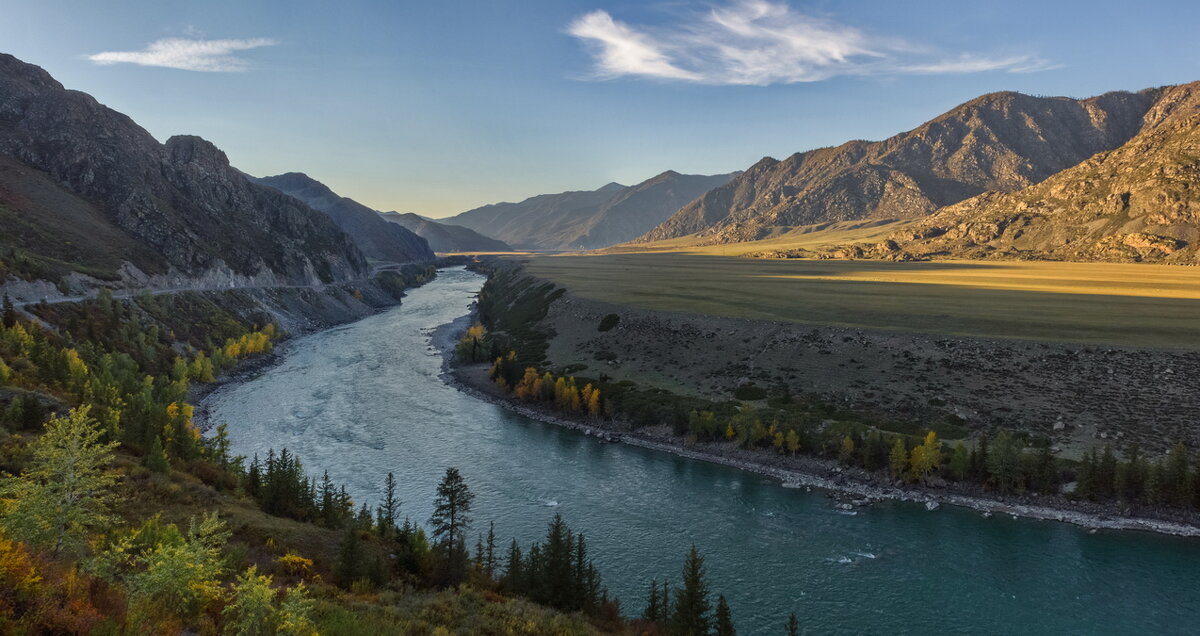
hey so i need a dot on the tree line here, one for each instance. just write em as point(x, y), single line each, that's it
point(1003, 462)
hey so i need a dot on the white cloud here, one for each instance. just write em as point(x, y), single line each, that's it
point(186, 54)
point(758, 42)
point(623, 51)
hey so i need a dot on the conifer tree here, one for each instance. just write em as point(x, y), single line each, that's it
point(690, 614)
point(724, 620)
point(389, 509)
point(10, 313)
point(514, 580)
point(449, 522)
point(350, 559)
point(489, 555)
point(156, 458)
point(793, 625)
point(653, 611)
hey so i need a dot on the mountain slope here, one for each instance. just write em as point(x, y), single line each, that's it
point(374, 236)
point(180, 201)
point(588, 219)
point(1139, 202)
point(443, 237)
point(1001, 141)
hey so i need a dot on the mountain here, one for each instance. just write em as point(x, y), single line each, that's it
point(377, 238)
point(134, 208)
point(588, 219)
point(1139, 202)
point(998, 142)
point(443, 237)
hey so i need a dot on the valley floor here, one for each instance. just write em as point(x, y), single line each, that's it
point(1078, 395)
point(850, 487)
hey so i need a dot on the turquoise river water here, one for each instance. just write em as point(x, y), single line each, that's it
point(366, 398)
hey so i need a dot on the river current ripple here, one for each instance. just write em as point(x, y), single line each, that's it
point(366, 398)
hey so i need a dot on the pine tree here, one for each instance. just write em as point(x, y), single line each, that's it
point(514, 579)
point(724, 621)
point(449, 523)
point(690, 613)
point(389, 509)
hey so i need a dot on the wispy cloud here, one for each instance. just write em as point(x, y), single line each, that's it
point(187, 54)
point(757, 42)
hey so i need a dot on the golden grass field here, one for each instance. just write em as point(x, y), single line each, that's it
point(1126, 304)
point(808, 237)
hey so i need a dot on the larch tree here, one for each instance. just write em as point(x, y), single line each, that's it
point(66, 491)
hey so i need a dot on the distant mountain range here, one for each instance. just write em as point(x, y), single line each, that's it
point(444, 237)
point(377, 238)
point(1001, 141)
point(86, 191)
point(588, 219)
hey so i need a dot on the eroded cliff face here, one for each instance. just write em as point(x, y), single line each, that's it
point(998, 142)
point(181, 200)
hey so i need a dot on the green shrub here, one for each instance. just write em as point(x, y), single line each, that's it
point(608, 322)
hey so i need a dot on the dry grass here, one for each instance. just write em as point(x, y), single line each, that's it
point(808, 237)
point(1095, 303)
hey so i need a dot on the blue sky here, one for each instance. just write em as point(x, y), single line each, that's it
point(436, 107)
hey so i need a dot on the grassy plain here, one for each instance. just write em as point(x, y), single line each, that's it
point(1094, 303)
point(807, 237)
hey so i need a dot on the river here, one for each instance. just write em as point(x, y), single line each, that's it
point(366, 398)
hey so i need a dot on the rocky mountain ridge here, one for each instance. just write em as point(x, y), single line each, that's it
point(588, 219)
point(997, 142)
point(376, 238)
point(444, 237)
point(180, 208)
point(1138, 202)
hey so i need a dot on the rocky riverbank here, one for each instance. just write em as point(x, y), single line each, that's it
point(851, 488)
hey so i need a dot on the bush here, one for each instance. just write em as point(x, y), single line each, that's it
point(608, 322)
